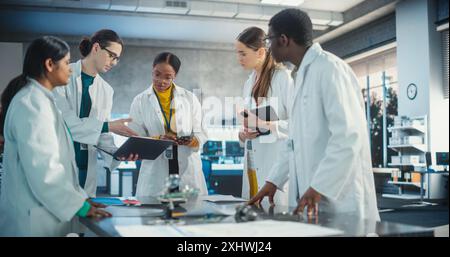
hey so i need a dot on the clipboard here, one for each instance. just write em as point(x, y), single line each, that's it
point(146, 148)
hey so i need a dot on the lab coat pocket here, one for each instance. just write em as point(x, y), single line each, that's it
point(304, 100)
point(184, 154)
point(290, 155)
point(185, 151)
point(43, 223)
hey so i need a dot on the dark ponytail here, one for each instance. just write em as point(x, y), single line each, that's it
point(103, 37)
point(37, 53)
point(14, 86)
point(85, 46)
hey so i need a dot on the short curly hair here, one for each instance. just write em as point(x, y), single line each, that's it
point(295, 24)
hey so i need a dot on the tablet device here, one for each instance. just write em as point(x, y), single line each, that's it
point(186, 138)
point(146, 148)
point(265, 113)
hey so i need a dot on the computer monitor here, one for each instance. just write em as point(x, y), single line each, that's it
point(233, 149)
point(442, 158)
point(212, 148)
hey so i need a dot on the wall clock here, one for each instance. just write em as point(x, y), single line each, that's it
point(411, 91)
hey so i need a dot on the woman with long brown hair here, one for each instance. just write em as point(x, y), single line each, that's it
point(268, 84)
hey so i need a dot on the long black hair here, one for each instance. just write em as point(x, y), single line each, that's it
point(103, 37)
point(38, 52)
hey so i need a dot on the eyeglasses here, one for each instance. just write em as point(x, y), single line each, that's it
point(162, 80)
point(268, 40)
point(111, 54)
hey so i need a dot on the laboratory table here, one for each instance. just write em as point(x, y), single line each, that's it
point(350, 225)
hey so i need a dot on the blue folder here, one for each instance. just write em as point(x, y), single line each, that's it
point(108, 200)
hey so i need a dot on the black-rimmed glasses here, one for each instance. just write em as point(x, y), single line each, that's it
point(111, 54)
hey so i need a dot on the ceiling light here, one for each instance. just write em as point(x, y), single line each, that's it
point(283, 2)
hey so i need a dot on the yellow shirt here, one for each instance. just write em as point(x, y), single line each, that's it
point(165, 100)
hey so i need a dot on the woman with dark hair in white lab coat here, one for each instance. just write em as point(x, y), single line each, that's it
point(40, 191)
point(165, 110)
point(268, 84)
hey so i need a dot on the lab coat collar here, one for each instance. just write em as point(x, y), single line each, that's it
point(310, 55)
point(93, 88)
point(39, 86)
point(252, 75)
point(176, 90)
point(77, 69)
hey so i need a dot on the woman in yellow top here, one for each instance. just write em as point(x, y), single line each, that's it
point(168, 111)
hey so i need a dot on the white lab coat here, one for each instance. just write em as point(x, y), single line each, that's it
point(148, 121)
point(40, 192)
point(264, 147)
point(88, 130)
point(330, 144)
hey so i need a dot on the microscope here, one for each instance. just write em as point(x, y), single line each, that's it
point(172, 196)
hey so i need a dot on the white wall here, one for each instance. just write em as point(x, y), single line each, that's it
point(11, 59)
point(419, 61)
point(413, 56)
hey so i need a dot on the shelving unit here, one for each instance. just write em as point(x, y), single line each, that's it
point(409, 140)
point(421, 165)
point(417, 184)
point(402, 196)
point(417, 128)
point(419, 147)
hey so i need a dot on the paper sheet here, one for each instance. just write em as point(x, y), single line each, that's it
point(265, 228)
point(205, 208)
point(148, 231)
point(222, 198)
point(130, 211)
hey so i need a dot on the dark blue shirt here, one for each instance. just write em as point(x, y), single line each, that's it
point(81, 155)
